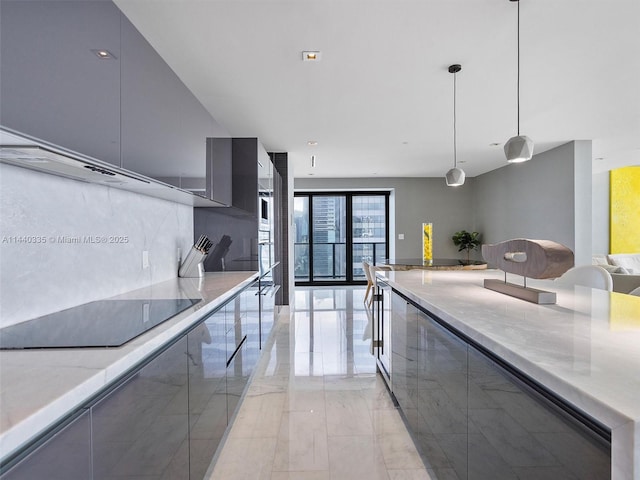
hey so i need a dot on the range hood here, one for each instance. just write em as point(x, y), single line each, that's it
point(49, 161)
point(25, 152)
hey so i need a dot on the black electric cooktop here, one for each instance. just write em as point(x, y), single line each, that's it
point(103, 323)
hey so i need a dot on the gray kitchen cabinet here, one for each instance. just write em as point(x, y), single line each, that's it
point(207, 390)
point(142, 427)
point(246, 153)
point(54, 87)
point(253, 323)
point(165, 419)
point(219, 170)
point(238, 373)
point(128, 109)
point(474, 417)
point(442, 401)
point(239, 171)
point(243, 347)
point(244, 180)
point(223, 351)
point(243, 359)
point(516, 433)
point(404, 359)
point(66, 455)
point(244, 231)
point(164, 126)
point(267, 307)
point(235, 341)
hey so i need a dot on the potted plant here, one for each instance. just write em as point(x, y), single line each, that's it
point(466, 241)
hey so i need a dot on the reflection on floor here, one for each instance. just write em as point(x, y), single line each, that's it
point(316, 409)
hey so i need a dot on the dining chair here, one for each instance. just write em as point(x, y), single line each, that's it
point(367, 273)
point(372, 274)
point(592, 276)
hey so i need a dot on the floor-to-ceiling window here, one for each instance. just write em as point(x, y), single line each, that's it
point(335, 232)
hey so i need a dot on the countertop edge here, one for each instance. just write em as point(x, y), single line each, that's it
point(21, 434)
point(602, 412)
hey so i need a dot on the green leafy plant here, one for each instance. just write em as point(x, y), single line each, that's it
point(466, 241)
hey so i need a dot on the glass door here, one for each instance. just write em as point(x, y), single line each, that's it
point(329, 238)
point(369, 231)
point(335, 233)
point(302, 236)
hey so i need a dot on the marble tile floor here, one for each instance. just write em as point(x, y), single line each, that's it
point(315, 408)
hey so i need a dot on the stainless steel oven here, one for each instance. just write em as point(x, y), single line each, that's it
point(265, 251)
point(268, 288)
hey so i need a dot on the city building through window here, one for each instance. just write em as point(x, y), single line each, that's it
point(335, 232)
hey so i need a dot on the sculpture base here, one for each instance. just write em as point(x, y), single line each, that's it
point(533, 295)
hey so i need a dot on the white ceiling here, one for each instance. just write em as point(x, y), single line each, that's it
point(380, 101)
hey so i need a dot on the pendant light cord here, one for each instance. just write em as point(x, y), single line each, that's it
point(518, 83)
point(455, 153)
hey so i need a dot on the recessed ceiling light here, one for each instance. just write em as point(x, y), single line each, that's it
point(311, 174)
point(104, 54)
point(311, 56)
point(312, 143)
point(599, 158)
point(405, 143)
point(495, 144)
point(462, 161)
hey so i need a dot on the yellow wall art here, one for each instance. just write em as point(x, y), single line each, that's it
point(427, 243)
point(624, 191)
point(623, 313)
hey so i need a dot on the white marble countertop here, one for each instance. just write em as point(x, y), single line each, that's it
point(585, 348)
point(38, 387)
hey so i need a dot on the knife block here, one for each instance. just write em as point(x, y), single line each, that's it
point(193, 265)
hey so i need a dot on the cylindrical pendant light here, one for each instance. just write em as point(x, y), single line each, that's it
point(519, 148)
point(455, 177)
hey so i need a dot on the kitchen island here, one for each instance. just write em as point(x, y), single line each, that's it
point(584, 351)
point(42, 387)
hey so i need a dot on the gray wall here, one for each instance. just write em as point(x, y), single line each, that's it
point(414, 201)
point(583, 198)
point(600, 206)
point(548, 198)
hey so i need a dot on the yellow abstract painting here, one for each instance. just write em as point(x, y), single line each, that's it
point(427, 243)
point(624, 191)
point(624, 314)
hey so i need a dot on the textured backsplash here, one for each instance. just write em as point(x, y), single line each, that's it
point(64, 242)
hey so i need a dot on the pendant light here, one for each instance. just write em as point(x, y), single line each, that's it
point(455, 177)
point(519, 148)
